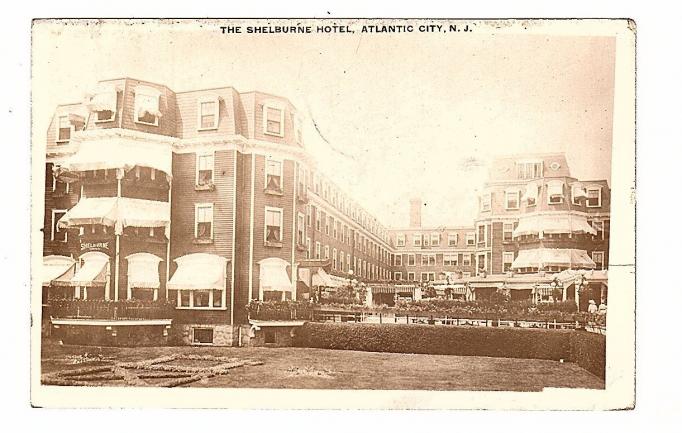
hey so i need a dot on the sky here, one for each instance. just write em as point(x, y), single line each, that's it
point(387, 116)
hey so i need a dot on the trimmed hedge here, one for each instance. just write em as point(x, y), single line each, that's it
point(588, 350)
point(581, 347)
point(436, 340)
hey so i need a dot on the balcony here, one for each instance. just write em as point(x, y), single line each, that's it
point(101, 310)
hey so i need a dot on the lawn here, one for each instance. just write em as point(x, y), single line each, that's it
point(306, 368)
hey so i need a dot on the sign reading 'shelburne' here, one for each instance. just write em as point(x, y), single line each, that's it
point(95, 246)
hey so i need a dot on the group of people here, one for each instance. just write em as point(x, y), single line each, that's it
point(593, 309)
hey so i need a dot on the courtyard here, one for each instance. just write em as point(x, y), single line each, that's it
point(307, 368)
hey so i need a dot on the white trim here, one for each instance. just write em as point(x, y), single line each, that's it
point(601, 253)
point(216, 112)
point(199, 154)
point(504, 254)
point(265, 119)
point(269, 158)
point(142, 90)
point(587, 194)
point(196, 209)
point(72, 129)
point(54, 225)
point(414, 259)
point(234, 236)
point(281, 222)
point(506, 199)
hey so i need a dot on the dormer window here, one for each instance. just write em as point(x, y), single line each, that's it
point(147, 105)
point(577, 193)
point(400, 240)
point(273, 120)
point(104, 102)
point(593, 196)
point(486, 200)
point(511, 199)
point(529, 169)
point(63, 129)
point(531, 194)
point(208, 114)
point(555, 192)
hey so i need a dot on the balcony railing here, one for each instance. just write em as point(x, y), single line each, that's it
point(110, 310)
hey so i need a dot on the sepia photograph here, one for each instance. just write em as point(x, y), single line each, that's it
point(296, 205)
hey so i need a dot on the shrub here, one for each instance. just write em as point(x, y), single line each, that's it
point(588, 350)
point(437, 340)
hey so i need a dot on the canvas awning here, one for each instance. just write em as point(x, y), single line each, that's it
point(531, 192)
point(555, 187)
point(323, 279)
point(117, 212)
point(199, 271)
point(92, 273)
point(554, 224)
point(569, 276)
point(542, 257)
point(143, 271)
point(104, 98)
point(390, 288)
point(147, 100)
point(273, 275)
point(114, 153)
point(55, 267)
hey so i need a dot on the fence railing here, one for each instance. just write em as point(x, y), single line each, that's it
point(110, 310)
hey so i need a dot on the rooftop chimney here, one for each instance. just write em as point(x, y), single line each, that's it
point(415, 213)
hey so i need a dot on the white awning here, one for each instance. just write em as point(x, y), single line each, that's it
point(569, 276)
point(531, 192)
point(578, 190)
point(198, 271)
point(553, 223)
point(555, 187)
point(113, 153)
point(273, 275)
point(143, 271)
point(104, 97)
point(117, 212)
point(147, 101)
point(55, 267)
point(323, 279)
point(92, 272)
point(542, 257)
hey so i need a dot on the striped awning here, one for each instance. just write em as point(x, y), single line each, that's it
point(391, 288)
point(55, 267)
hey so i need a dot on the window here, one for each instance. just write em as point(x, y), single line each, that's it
point(471, 239)
point(208, 113)
point(411, 261)
point(57, 234)
point(577, 192)
point(594, 196)
point(273, 226)
point(435, 239)
point(507, 260)
point(453, 239)
point(598, 259)
point(334, 259)
point(64, 129)
point(417, 240)
point(428, 260)
point(449, 259)
point(202, 335)
point(300, 228)
point(507, 231)
point(398, 258)
point(147, 105)
point(511, 200)
point(59, 187)
point(481, 262)
point(273, 121)
point(466, 260)
point(348, 261)
point(428, 276)
point(326, 225)
point(326, 251)
point(486, 200)
point(400, 240)
point(309, 215)
point(529, 170)
point(410, 276)
point(397, 276)
point(318, 249)
point(318, 222)
point(204, 174)
point(203, 221)
point(555, 192)
point(273, 175)
point(104, 102)
point(531, 194)
point(599, 227)
point(481, 234)
point(308, 250)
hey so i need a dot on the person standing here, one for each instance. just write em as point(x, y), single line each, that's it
point(592, 307)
